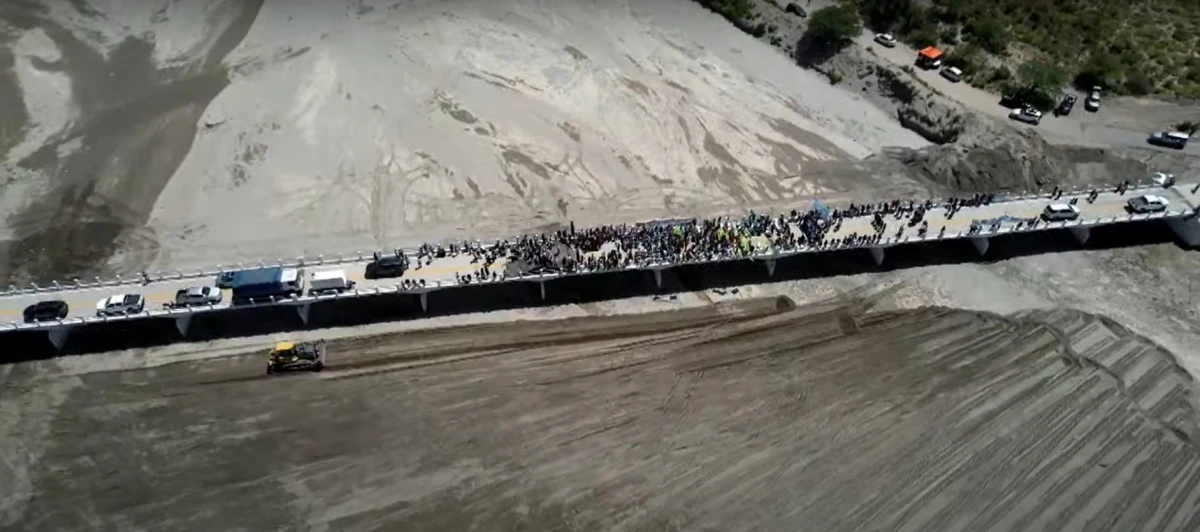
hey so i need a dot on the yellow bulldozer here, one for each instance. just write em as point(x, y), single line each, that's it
point(296, 356)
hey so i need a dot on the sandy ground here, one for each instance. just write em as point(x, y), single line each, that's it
point(751, 415)
point(336, 126)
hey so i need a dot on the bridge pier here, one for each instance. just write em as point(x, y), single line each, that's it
point(1187, 229)
point(770, 268)
point(182, 324)
point(981, 244)
point(1081, 234)
point(877, 254)
point(59, 336)
point(425, 300)
point(303, 311)
point(542, 287)
point(657, 277)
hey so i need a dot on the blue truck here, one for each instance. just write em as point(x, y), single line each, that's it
point(265, 283)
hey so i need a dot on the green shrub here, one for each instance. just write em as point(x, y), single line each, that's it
point(834, 76)
point(999, 74)
point(949, 35)
point(967, 57)
point(989, 33)
point(1139, 84)
point(1102, 69)
point(835, 26)
point(1039, 83)
point(922, 37)
point(884, 15)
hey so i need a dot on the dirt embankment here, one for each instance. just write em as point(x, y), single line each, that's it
point(758, 415)
point(974, 152)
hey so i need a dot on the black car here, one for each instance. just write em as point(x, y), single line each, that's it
point(795, 9)
point(386, 266)
point(1064, 107)
point(46, 311)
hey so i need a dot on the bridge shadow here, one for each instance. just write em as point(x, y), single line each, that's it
point(255, 321)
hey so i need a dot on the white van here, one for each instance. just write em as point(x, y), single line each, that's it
point(332, 281)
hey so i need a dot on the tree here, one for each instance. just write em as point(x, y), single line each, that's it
point(883, 15)
point(1101, 70)
point(835, 26)
point(1038, 83)
point(989, 33)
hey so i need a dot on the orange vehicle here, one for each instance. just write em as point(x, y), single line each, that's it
point(929, 58)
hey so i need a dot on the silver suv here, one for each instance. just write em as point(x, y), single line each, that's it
point(198, 296)
point(120, 305)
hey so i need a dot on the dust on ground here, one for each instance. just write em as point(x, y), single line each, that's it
point(156, 138)
point(98, 127)
point(750, 415)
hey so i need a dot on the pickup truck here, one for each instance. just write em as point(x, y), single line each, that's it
point(266, 283)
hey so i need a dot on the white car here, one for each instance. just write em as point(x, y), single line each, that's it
point(1092, 103)
point(1028, 115)
point(198, 296)
point(953, 74)
point(1148, 203)
point(886, 39)
point(1162, 179)
point(121, 304)
point(1057, 212)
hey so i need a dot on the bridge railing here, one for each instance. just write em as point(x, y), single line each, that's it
point(362, 257)
point(773, 253)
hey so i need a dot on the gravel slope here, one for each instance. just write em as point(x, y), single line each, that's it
point(747, 416)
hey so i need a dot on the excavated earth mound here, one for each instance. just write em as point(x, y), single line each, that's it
point(750, 416)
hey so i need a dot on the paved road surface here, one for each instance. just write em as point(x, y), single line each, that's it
point(1080, 127)
point(82, 301)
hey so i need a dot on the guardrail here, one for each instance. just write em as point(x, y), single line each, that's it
point(362, 257)
point(771, 254)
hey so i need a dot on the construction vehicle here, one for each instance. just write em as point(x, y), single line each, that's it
point(288, 356)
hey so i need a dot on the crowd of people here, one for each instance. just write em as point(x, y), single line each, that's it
point(614, 247)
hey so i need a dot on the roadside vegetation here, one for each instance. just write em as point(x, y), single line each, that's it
point(1123, 47)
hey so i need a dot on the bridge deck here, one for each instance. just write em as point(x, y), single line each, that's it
point(1108, 208)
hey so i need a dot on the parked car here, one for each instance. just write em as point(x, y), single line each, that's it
point(121, 304)
point(386, 266)
point(225, 280)
point(1057, 212)
point(198, 296)
point(1065, 106)
point(1013, 101)
point(954, 74)
point(1028, 115)
point(1092, 103)
point(333, 281)
point(55, 309)
point(1147, 203)
point(1170, 139)
point(1163, 179)
point(795, 9)
point(886, 39)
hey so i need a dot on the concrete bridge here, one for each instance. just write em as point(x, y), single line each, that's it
point(1006, 221)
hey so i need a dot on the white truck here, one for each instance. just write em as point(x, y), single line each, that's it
point(329, 282)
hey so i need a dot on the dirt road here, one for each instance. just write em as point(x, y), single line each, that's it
point(745, 416)
point(1106, 128)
